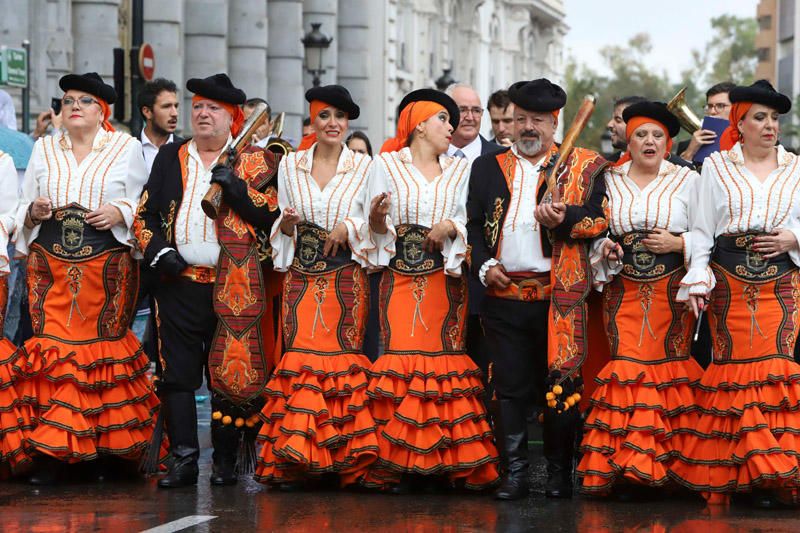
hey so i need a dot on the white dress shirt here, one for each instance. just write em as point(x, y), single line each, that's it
point(195, 233)
point(415, 200)
point(113, 173)
point(150, 150)
point(9, 200)
point(732, 200)
point(471, 151)
point(343, 199)
point(521, 242)
point(666, 202)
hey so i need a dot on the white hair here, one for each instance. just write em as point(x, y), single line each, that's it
point(458, 85)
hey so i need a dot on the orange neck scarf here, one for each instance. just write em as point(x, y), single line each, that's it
point(631, 126)
point(413, 114)
point(106, 114)
point(236, 113)
point(314, 109)
point(731, 134)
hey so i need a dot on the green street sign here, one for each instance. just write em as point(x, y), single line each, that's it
point(13, 67)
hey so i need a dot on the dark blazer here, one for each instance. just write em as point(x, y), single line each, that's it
point(163, 194)
point(489, 147)
point(489, 199)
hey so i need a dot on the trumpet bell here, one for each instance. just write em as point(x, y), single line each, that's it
point(677, 106)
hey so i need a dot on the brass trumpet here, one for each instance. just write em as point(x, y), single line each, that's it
point(277, 145)
point(677, 106)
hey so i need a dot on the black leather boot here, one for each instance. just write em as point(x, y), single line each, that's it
point(225, 440)
point(180, 415)
point(559, 434)
point(513, 443)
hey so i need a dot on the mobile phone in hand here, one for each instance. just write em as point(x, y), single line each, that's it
point(55, 103)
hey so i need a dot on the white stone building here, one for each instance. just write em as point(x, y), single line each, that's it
point(381, 49)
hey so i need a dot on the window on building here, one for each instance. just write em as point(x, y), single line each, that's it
point(765, 22)
point(786, 20)
point(763, 54)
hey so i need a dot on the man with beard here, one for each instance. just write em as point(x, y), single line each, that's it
point(158, 104)
point(530, 250)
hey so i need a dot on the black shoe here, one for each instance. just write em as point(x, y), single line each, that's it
point(559, 433)
point(46, 473)
point(224, 473)
point(290, 486)
point(512, 488)
point(183, 473)
point(559, 484)
point(400, 488)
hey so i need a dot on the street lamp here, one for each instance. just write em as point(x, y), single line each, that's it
point(606, 148)
point(445, 80)
point(315, 43)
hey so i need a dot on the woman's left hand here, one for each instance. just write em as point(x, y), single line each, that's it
point(337, 239)
point(776, 243)
point(438, 234)
point(661, 241)
point(105, 217)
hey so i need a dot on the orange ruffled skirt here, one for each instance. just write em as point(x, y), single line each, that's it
point(748, 434)
point(81, 378)
point(643, 408)
point(316, 419)
point(425, 392)
point(13, 424)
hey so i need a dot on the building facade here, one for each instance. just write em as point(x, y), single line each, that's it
point(381, 49)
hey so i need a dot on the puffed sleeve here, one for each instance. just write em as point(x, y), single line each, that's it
point(282, 244)
point(128, 202)
point(702, 225)
point(359, 238)
point(603, 270)
point(384, 243)
point(455, 249)
point(30, 191)
point(8, 208)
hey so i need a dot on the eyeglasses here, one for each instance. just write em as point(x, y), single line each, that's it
point(83, 101)
point(717, 107)
point(467, 110)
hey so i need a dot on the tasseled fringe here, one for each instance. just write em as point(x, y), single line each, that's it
point(150, 462)
point(247, 456)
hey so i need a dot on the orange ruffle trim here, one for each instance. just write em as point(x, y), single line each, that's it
point(13, 423)
point(748, 434)
point(431, 420)
point(316, 419)
point(641, 415)
point(85, 400)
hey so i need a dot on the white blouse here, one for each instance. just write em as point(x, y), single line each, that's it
point(9, 200)
point(667, 202)
point(342, 200)
point(731, 199)
point(415, 200)
point(113, 173)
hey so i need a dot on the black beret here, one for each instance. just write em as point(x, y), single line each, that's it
point(538, 95)
point(337, 96)
point(432, 95)
point(91, 83)
point(655, 110)
point(761, 92)
point(217, 87)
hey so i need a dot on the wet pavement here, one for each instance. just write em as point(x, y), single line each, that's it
point(138, 505)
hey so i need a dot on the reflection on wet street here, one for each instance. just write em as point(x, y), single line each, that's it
point(139, 505)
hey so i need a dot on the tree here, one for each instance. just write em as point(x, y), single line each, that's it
point(730, 54)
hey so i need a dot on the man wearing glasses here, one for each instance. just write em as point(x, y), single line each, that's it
point(717, 105)
point(467, 140)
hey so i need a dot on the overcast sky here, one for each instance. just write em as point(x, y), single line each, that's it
point(676, 27)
